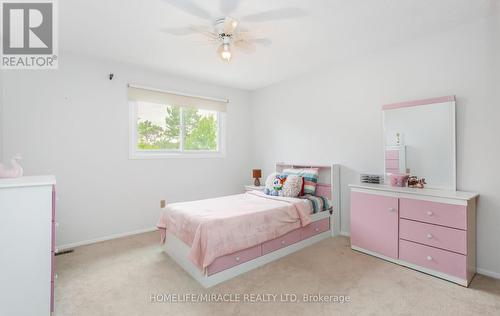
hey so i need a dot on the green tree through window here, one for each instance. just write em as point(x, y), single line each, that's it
point(159, 128)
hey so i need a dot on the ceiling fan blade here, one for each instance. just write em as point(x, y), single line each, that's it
point(230, 25)
point(277, 14)
point(191, 30)
point(190, 7)
point(180, 31)
point(228, 6)
point(261, 41)
point(245, 46)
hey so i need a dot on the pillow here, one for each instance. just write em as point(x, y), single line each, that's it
point(310, 176)
point(274, 184)
point(292, 186)
point(319, 203)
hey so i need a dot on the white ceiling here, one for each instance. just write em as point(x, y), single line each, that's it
point(331, 31)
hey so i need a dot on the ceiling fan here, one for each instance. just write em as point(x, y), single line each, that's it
point(226, 31)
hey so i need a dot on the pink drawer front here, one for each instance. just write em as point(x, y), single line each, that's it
point(315, 228)
point(432, 258)
point(231, 260)
point(435, 213)
point(391, 164)
point(437, 236)
point(392, 154)
point(391, 170)
point(281, 242)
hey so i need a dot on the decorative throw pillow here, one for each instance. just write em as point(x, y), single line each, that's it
point(292, 186)
point(274, 184)
point(319, 203)
point(310, 176)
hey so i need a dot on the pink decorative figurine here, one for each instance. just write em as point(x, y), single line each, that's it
point(15, 171)
point(398, 179)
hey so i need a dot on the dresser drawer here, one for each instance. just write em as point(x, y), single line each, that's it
point(391, 164)
point(432, 258)
point(437, 236)
point(231, 260)
point(435, 213)
point(315, 228)
point(281, 242)
point(392, 154)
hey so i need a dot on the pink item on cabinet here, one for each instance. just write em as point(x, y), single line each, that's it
point(15, 171)
point(398, 179)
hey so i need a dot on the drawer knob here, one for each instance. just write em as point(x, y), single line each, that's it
point(429, 236)
point(237, 258)
point(429, 258)
point(430, 213)
point(316, 229)
point(282, 242)
point(392, 209)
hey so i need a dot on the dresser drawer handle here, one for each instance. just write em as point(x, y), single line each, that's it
point(282, 242)
point(430, 213)
point(429, 258)
point(392, 209)
point(316, 229)
point(237, 258)
point(429, 236)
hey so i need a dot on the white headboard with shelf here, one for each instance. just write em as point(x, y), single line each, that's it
point(328, 186)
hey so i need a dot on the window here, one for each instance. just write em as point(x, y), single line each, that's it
point(164, 124)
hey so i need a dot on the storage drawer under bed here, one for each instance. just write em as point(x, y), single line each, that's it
point(239, 257)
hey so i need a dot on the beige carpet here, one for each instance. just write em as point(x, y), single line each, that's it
point(118, 277)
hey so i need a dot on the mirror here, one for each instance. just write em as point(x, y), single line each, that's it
point(419, 137)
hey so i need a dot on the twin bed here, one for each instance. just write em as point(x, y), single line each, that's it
point(217, 239)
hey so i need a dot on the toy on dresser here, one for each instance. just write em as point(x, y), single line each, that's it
point(15, 171)
point(415, 182)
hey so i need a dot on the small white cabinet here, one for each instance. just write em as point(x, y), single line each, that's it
point(27, 209)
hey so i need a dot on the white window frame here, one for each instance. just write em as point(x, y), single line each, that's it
point(135, 153)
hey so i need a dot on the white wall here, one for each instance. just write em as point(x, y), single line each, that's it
point(73, 123)
point(1, 116)
point(334, 115)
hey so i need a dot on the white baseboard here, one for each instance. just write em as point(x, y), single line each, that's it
point(491, 274)
point(109, 237)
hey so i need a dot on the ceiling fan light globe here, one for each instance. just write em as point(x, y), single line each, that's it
point(225, 52)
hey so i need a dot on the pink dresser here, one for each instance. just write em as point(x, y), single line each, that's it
point(433, 231)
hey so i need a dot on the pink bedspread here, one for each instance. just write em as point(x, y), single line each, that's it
point(220, 226)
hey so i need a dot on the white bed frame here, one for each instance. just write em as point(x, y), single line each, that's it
point(178, 250)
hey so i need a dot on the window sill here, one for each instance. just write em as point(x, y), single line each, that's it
point(171, 155)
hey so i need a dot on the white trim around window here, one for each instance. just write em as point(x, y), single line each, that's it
point(135, 153)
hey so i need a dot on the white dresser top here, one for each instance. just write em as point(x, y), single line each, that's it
point(449, 194)
point(27, 181)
